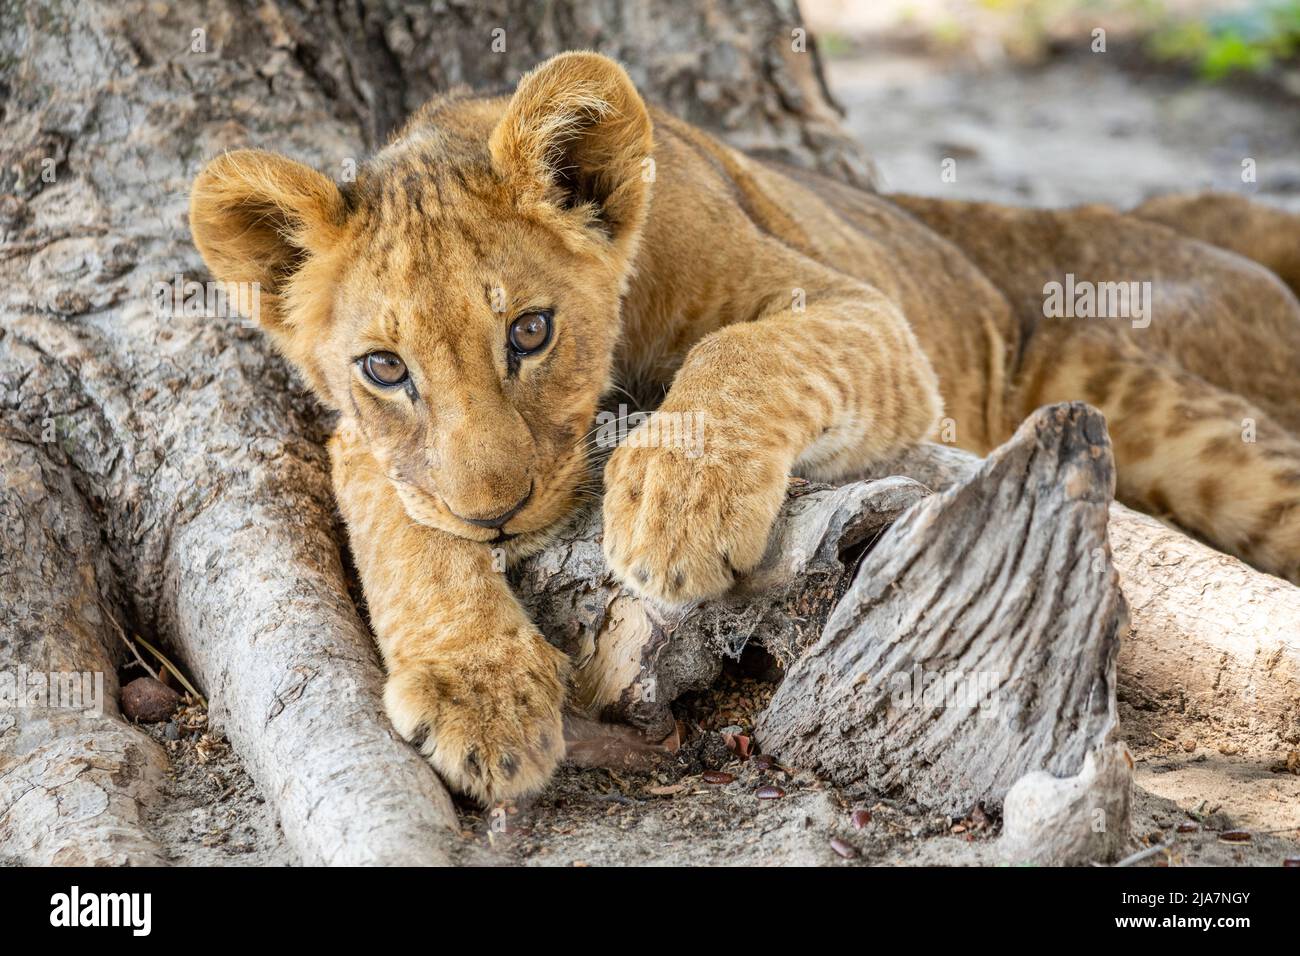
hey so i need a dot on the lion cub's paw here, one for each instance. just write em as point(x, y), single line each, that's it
point(486, 715)
point(680, 529)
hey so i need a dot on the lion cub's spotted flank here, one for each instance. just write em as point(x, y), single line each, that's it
point(465, 304)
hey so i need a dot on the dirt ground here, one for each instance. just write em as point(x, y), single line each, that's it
point(710, 804)
point(211, 813)
point(1086, 128)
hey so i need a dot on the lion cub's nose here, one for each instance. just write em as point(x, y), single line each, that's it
point(502, 518)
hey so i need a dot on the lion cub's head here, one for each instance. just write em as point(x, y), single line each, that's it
point(460, 301)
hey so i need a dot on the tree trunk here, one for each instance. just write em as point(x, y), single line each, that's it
point(163, 473)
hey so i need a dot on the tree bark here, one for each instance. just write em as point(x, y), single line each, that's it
point(170, 462)
point(74, 779)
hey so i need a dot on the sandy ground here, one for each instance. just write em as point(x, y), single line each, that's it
point(1081, 129)
point(211, 813)
point(709, 805)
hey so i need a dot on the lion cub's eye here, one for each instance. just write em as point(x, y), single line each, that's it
point(530, 332)
point(385, 369)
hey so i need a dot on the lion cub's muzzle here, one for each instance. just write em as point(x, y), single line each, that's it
point(497, 521)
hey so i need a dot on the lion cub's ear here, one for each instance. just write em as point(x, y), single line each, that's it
point(257, 216)
point(577, 135)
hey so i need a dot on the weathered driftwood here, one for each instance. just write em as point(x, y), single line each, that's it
point(1210, 640)
point(977, 641)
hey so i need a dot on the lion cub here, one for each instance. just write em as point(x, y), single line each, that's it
point(465, 304)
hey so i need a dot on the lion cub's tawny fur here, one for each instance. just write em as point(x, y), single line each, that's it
point(811, 327)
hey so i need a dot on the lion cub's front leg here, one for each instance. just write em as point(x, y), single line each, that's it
point(826, 392)
point(471, 682)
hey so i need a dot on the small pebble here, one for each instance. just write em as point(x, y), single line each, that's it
point(843, 849)
point(769, 793)
point(149, 701)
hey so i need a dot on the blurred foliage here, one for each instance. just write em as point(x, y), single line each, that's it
point(1026, 28)
point(1252, 38)
point(832, 44)
point(1217, 38)
point(1249, 40)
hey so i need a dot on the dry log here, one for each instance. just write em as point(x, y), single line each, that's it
point(1213, 640)
point(977, 641)
point(634, 659)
